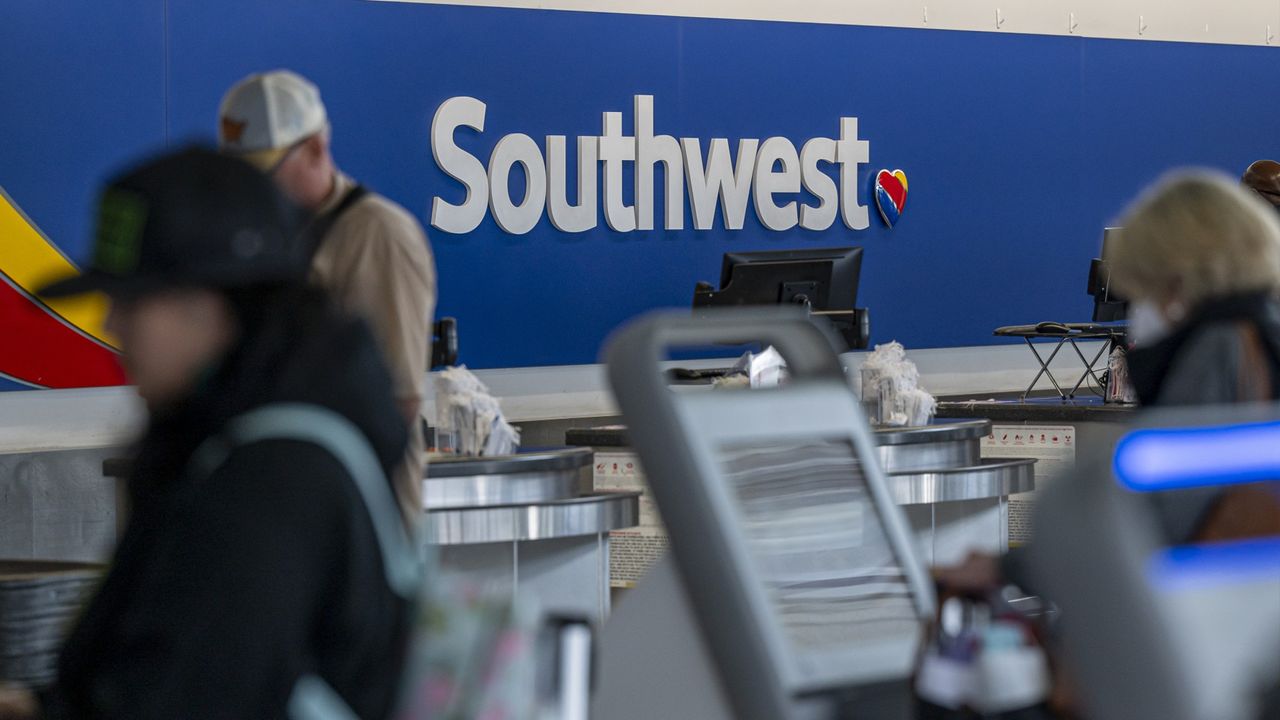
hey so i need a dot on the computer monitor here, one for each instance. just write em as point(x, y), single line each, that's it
point(1107, 305)
point(823, 280)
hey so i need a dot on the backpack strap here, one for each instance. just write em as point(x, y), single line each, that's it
point(314, 699)
point(320, 227)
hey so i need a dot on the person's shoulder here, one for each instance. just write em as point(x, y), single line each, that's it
point(378, 226)
point(378, 211)
point(1206, 367)
point(1211, 339)
point(281, 473)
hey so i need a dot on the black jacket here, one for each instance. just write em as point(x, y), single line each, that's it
point(1200, 363)
point(224, 590)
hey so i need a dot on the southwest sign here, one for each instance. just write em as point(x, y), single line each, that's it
point(768, 174)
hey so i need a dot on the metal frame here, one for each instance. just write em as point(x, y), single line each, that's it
point(679, 436)
point(1089, 365)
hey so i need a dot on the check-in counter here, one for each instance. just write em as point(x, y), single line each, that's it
point(1043, 426)
point(528, 522)
point(57, 506)
point(955, 500)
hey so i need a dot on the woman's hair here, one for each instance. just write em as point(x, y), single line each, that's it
point(1196, 235)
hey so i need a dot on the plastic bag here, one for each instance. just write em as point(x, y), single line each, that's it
point(465, 407)
point(891, 389)
point(1119, 387)
point(765, 369)
point(768, 369)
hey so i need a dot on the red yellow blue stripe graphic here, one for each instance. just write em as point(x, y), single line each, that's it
point(61, 344)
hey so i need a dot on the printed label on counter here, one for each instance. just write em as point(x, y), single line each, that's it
point(634, 550)
point(1054, 449)
point(632, 553)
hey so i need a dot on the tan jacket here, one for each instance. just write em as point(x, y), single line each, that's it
point(377, 264)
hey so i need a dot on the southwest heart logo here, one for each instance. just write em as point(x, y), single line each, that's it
point(891, 195)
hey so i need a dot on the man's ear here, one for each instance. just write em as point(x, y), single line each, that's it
point(316, 147)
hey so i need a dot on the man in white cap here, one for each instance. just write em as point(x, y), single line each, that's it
point(370, 253)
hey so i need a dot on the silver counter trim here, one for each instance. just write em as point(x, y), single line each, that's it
point(991, 479)
point(500, 489)
point(941, 431)
point(917, 457)
point(586, 515)
point(567, 459)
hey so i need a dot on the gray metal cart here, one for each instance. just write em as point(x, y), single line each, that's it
point(794, 589)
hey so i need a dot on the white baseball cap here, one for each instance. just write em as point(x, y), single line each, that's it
point(263, 116)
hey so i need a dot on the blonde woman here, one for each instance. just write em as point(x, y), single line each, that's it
point(1199, 261)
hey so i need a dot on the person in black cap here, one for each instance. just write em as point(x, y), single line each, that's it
point(253, 576)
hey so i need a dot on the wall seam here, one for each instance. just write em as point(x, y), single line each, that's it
point(167, 84)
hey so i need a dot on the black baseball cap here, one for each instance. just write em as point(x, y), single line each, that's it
point(191, 218)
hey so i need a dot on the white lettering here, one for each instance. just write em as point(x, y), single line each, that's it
point(459, 165)
point(650, 150)
point(850, 153)
point(615, 149)
point(818, 150)
point(513, 149)
point(768, 182)
point(759, 173)
point(719, 180)
point(566, 217)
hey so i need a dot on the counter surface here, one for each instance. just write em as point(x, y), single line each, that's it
point(606, 436)
point(1006, 408)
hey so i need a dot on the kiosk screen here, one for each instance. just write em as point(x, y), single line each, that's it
point(816, 542)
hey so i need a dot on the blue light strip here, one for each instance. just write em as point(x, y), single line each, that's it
point(1170, 459)
point(1196, 567)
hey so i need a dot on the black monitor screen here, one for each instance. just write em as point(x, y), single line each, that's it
point(825, 279)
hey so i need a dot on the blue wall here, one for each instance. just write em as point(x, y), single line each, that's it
point(1018, 148)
